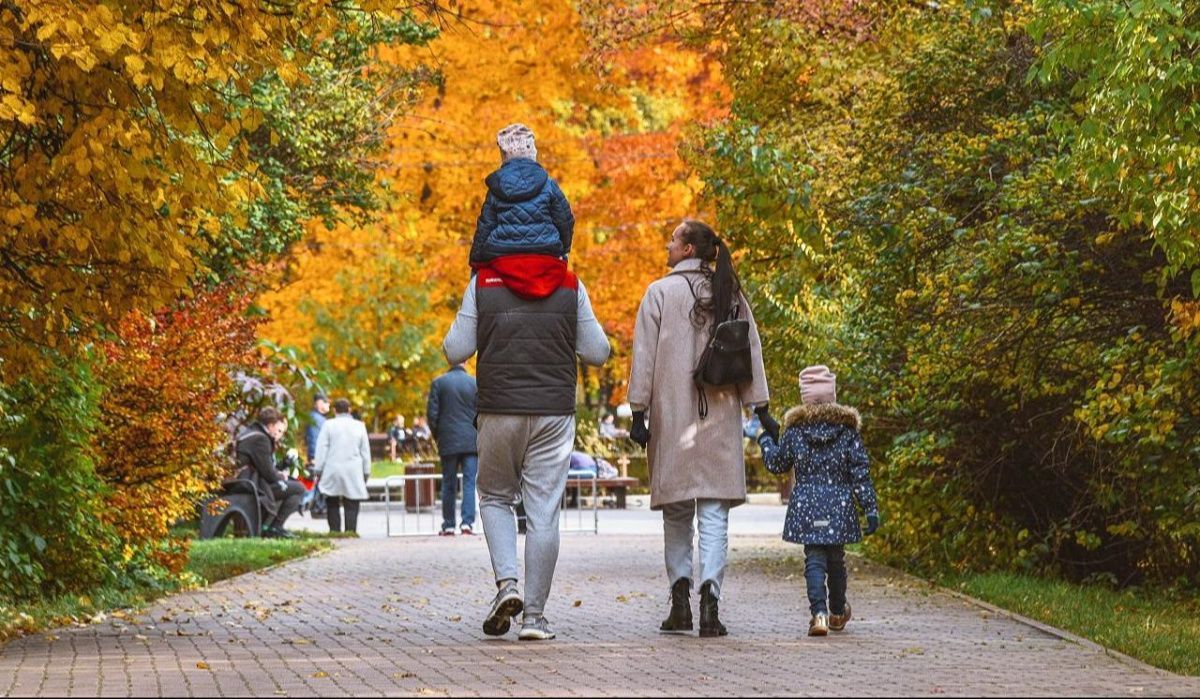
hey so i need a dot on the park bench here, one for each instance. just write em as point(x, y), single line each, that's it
point(237, 503)
point(613, 486)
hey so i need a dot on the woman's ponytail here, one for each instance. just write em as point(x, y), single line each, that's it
point(724, 280)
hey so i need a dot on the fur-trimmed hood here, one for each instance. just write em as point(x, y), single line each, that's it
point(824, 450)
point(833, 413)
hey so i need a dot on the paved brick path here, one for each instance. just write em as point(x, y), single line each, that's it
point(402, 617)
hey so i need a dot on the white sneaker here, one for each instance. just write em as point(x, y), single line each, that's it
point(535, 629)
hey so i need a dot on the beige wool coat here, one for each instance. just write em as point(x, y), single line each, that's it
point(689, 458)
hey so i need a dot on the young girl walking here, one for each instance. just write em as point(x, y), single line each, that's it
point(822, 445)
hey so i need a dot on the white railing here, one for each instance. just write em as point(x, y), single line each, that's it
point(580, 477)
point(420, 509)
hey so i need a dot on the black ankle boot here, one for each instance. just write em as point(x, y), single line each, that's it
point(680, 618)
point(710, 624)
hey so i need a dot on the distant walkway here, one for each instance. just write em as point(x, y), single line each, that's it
point(402, 617)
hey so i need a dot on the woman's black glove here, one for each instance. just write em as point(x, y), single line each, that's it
point(768, 423)
point(640, 433)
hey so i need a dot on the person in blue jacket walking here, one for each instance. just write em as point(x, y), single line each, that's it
point(524, 212)
point(821, 443)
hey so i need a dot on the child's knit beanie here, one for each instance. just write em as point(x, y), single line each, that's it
point(818, 385)
point(516, 141)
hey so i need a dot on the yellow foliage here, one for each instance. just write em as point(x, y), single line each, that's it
point(109, 111)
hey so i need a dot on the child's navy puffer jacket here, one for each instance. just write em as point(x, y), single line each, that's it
point(822, 444)
point(524, 212)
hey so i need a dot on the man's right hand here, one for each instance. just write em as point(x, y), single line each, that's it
point(640, 433)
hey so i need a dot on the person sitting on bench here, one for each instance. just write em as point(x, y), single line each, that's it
point(279, 497)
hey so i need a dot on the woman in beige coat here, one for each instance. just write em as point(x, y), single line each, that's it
point(697, 470)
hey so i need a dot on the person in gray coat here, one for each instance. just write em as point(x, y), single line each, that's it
point(693, 440)
point(451, 413)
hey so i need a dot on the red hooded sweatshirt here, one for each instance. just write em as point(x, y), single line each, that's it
point(531, 277)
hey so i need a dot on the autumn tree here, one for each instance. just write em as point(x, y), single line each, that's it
point(361, 321)
point(977, 214)
point(607, 130)
point(150, 151)
point(160, 445)
point(121, 148)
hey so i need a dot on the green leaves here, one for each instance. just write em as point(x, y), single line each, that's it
point(1134, 72)
point(316, 145)
point(982, 225)
point(53, 536)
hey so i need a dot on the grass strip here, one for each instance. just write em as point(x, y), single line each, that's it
point(209, 561)
point(1158, 627)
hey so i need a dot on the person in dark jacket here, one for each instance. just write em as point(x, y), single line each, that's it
point(822, 444)
point(451, 413)
point(313, 499)
point(524, 211)
point(255, 451)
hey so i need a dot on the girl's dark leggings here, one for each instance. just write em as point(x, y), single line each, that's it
point(825, 564)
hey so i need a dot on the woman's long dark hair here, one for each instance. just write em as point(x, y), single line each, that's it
point(719, 269)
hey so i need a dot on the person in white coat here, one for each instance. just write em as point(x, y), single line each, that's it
point(343, 466)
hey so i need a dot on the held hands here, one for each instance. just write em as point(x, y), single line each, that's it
point(751, 431)
point(872, 523)
point(639, 432)
point(770, 427)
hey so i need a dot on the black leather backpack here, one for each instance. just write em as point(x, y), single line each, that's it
point(726, 360)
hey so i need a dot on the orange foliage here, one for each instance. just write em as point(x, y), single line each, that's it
point(168, 380)
point(607, 133)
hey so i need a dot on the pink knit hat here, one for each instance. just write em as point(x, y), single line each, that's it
point(516, 141)
point(818, 385)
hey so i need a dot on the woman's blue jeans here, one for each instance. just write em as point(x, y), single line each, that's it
point(824, 563)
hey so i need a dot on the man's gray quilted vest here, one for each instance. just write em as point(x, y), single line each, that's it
point(527, 363)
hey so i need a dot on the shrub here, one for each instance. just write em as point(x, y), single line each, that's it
point(168, 381)
point(52, 538)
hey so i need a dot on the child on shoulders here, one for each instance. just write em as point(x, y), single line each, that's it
point(524, 212)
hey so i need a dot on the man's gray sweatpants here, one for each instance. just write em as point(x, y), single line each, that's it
point(526, 458)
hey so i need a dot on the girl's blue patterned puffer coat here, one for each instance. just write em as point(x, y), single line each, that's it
point(822, 444)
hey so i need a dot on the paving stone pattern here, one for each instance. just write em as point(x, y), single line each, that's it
point(402, 617)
